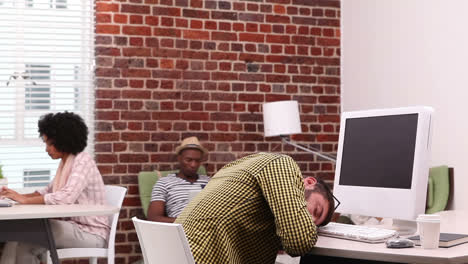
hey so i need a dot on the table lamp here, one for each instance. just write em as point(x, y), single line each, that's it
point(282, 119)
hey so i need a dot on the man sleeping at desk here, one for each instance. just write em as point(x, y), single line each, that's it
point(77, 181)
point(254, 206)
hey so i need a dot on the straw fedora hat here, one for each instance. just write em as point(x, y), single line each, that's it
point(190, 143)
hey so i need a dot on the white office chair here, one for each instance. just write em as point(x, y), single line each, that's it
point(115, 196)
point(163, 243)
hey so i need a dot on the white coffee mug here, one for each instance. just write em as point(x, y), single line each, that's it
point(429, 230)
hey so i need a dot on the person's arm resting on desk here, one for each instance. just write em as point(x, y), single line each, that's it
point(283, 188)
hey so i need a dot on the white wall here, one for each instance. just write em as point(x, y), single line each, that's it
point(412, 52)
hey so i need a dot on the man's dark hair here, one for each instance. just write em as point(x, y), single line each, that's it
point(66, 131)
point(322, 188)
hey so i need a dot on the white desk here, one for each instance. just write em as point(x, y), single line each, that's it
point(30, 223)
point(451, 222)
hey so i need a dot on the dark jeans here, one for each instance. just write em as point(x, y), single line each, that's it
point(314, 259)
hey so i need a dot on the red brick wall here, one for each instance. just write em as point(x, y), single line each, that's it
point(168, 69)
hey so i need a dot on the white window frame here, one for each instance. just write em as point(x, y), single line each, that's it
point(64, 44)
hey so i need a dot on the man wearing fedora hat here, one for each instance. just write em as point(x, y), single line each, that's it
point(171, 193)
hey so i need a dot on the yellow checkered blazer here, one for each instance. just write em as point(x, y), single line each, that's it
point(248, 210)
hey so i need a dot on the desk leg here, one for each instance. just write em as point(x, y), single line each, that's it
point(36, 231)
point(51, 242)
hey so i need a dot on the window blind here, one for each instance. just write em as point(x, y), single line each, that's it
point(46, 65)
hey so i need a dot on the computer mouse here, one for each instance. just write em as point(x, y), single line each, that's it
point(399, 242)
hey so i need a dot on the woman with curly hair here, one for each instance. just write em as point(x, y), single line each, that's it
point(77, 181)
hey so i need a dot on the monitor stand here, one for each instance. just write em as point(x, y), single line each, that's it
point(404, 227)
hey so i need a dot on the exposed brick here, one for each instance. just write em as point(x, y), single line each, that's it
point(136, 52)
point(168, 32)
point(329, 99)
point(106, 7)
point(223, 15)
point(136, 19)
point(223, 117)
point(196, 13)
point(224, 76)
point(107, 29)
point(304, 79)
point(151, 20)
point(166, 11)
point(278, 39)
point(328, 42)
point(133, 158)
point(278, 29)
point(195, 34)
point(106, 158)
point(195, 116)
point(251, 97)
point(166, 115)
point(323, 3)
point(136, 41)
point(136, 9)
point(168, 69)
point(195, 55)
point(195, 96)
point(223, 56)
point(224, 36)
point(136, 30)
point(276, 97)
point(166, 74)
point(252, 77)
point(304, 20)
point(136, 73)
point(193, 75)
point(250, 37)
point(167, 21)
point(330, 13)
point(136, 115)
point(103, 18)
point(278, 78)
point(277, 19)
point(196, 24)
point(103, 104)
point(329, 80)
point(223, 137)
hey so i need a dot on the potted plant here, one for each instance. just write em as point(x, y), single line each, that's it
point(3, 180)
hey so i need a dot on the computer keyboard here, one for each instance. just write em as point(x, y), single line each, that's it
point(6, 202)
point(357, 232)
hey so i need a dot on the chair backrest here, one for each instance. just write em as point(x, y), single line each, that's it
point(146, 181)
point(163, 243)
point(439, 189)
point(114, 196)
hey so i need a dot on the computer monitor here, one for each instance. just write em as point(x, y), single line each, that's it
point(382, 164)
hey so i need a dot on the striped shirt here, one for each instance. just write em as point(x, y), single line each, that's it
point(248, 210)
point(84, 186)
point(174, 191)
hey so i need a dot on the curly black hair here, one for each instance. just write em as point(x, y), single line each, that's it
point(66, 131)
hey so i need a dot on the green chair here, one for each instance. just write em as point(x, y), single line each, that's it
point(438, 189)
point(146, 181)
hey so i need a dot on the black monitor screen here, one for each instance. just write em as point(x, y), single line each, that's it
point(379, 151)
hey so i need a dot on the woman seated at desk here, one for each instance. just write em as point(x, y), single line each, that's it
point(77, 181)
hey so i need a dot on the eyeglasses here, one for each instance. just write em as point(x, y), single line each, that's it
point(337, 202)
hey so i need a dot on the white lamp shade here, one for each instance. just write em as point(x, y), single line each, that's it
point(281, 118)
